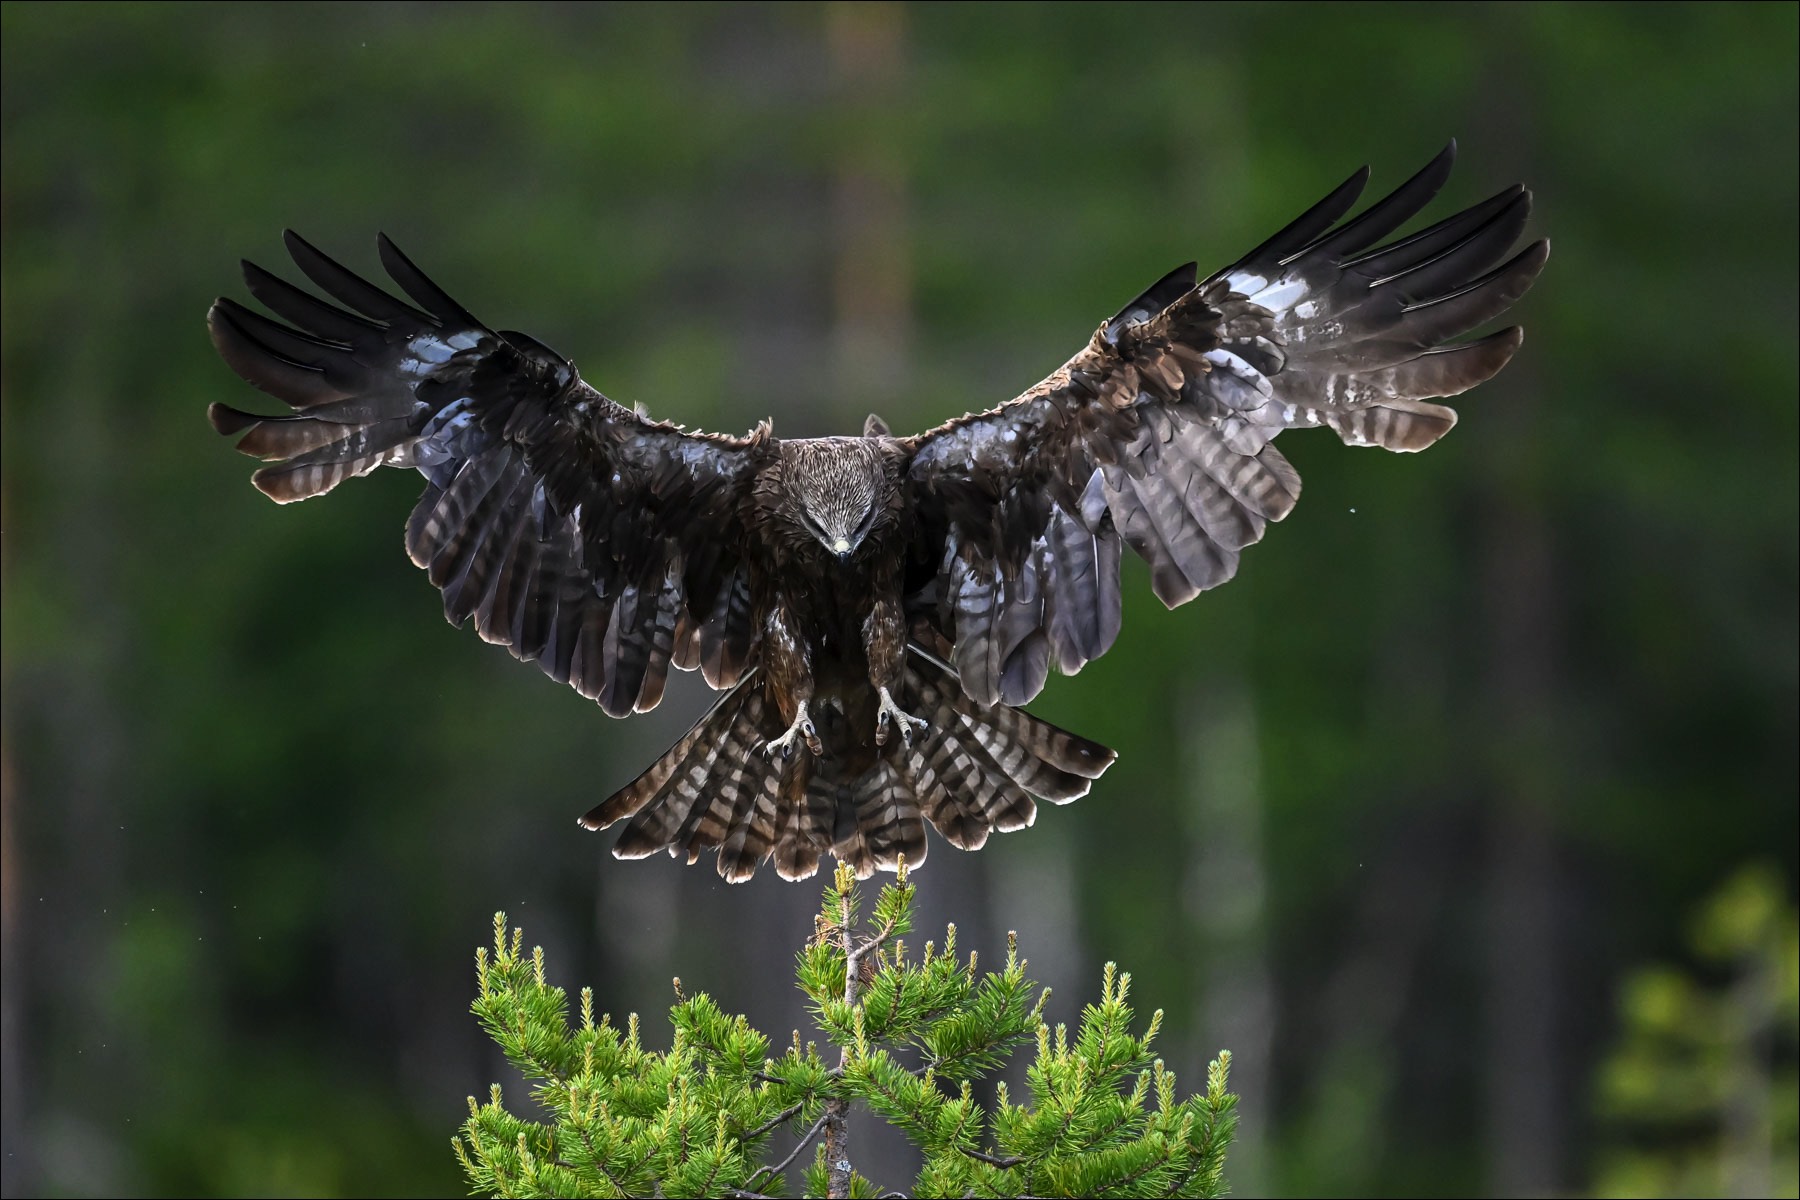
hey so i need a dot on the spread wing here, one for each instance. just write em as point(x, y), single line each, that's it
point(580, 535)
point(1159, 432)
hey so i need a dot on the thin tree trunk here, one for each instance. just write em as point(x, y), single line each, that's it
point(1227, 890)
point(1524, 1108)
point(837, 1110)
point(1524, 1141)
point(80, 735)
point(872, 285)
point(15, 1161)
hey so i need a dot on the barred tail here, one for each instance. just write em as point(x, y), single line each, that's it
point(981, 768)
point(713, 789)
point(976, 769)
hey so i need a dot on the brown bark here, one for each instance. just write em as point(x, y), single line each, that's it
point(837, 1110)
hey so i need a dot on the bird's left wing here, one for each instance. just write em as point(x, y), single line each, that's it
point(1158, 432)
point(598, 543)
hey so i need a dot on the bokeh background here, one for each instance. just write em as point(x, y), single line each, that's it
point(1465, 817)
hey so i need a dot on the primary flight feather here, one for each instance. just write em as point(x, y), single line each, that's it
point(874, 608)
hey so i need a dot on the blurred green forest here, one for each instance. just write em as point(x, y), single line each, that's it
point(1398, 812)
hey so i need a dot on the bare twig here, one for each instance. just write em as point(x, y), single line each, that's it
point(784, 1115)
point(876, 940)
point(764, 1174)
point(1011, 1160)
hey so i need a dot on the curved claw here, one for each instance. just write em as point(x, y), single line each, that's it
point(801, 729)
point(889, 713)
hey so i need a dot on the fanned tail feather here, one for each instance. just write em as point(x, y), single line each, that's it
point(878, 817)
point(713, 789)
point(977, 769)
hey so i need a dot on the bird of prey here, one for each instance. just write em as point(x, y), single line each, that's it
point(875, 608)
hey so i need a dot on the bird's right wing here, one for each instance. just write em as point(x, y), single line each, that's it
point(598, 543)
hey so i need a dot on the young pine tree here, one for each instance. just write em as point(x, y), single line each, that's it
point(911, 1033)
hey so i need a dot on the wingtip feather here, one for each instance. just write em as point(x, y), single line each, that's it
point(227, 420)
point(259, 365)
point(277, 484)
point(417, 284)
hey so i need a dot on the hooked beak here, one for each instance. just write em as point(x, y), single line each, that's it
point(841, 547)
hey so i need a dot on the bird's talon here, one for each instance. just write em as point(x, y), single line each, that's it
point(801, 728)
point(890, 712)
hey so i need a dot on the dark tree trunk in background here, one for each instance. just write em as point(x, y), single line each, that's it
point(1226, 899)
point(871, 283)
point(74, 715)
point(15, 1156)
point(1524, 1112)
point(1522, 690)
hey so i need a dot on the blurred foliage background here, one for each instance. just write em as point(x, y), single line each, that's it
point(1401, 816)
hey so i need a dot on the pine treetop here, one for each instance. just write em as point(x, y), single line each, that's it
point(1101, 1115)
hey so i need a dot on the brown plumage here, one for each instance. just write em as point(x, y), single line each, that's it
point(874, 608)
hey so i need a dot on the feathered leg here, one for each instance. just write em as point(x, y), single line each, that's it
point(788, 663)
point(884, 641)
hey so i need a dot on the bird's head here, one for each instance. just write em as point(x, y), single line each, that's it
point(838, 486)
